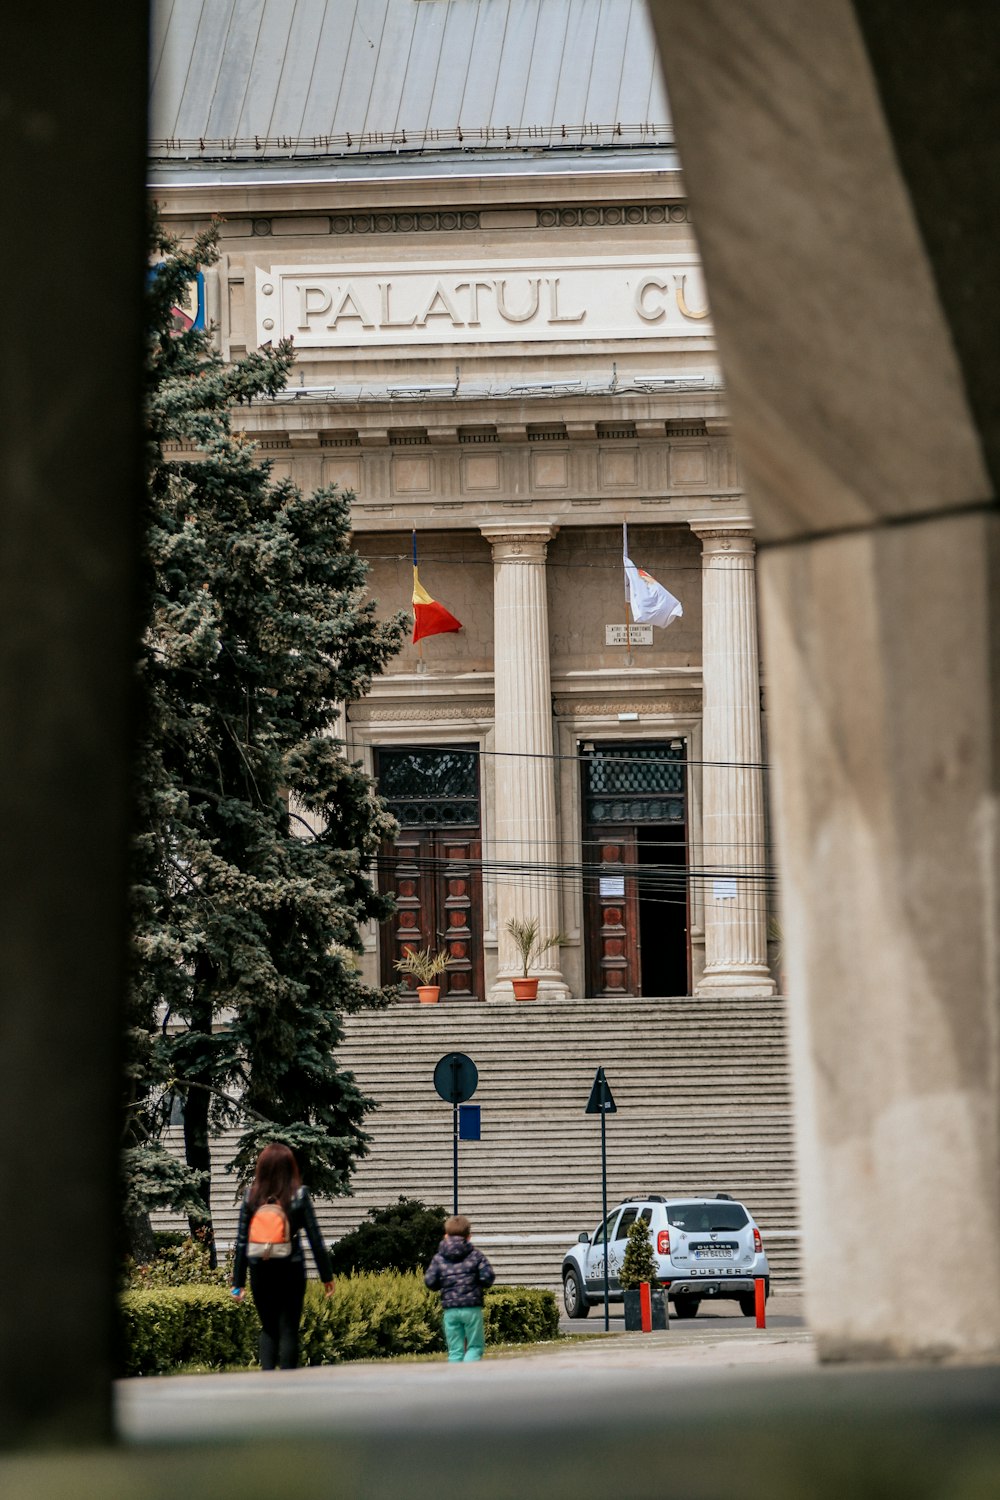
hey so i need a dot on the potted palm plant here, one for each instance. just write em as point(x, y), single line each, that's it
point(531, 945)
point(425, 965)
point(638, 1266)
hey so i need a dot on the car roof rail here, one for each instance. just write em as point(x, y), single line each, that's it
point(644, 1198)
point(728, 1196)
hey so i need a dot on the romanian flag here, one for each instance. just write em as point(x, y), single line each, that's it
point(429, 617)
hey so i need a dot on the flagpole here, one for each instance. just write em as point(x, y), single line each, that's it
point(628, 632)
point(420, 645)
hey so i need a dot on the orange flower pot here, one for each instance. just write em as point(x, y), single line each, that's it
point(428, 993)
point(525, 989)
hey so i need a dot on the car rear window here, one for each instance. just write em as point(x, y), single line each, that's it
point(706, 1217)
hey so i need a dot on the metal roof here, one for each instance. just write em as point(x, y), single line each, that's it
point(266, 80)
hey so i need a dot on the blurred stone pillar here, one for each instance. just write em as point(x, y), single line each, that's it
point(862, 365)
point(72, 151)
point(525, 833)
point(732, 776)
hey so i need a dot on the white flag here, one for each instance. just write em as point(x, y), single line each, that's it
point(650, 602)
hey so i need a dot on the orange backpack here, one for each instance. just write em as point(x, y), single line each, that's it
point(270, 1235)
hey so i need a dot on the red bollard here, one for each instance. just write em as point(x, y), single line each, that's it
point(758, 1298)
point(645, 1307)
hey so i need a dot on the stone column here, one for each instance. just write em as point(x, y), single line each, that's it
point(732, 779)
point(524, 826)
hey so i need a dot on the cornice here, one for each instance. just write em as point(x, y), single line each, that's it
point(568, 189)
point(509, 416)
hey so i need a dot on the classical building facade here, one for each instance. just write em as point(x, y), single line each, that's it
point(472, 222)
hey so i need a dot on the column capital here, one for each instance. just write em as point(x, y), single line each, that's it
point(725, 539)
point(519, 541)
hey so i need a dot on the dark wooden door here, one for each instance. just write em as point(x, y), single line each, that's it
point(612, 916)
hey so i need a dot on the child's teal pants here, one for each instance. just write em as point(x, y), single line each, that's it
point(463, 1331)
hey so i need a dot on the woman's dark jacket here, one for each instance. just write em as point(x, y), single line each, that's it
point(301, 1215)
point(460, 1272)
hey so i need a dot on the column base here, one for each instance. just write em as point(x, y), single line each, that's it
point(737, 979)
point(550, 987)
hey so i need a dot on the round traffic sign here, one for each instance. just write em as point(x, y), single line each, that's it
point(456, 1077)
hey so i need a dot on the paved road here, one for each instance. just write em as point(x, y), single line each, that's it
point(710, 1409)
point(784, 1310)
point(541, 1386)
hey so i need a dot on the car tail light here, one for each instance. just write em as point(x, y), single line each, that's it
point(758, 1243)
point(663, 1242)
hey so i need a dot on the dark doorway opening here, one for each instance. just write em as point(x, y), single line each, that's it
point(661, 855)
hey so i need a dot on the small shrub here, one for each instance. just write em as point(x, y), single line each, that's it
point(520, 1315)
point(180, 1260)
point(401, 1237)
point(638, 1263)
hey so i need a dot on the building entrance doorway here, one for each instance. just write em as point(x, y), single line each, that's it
point(434, 864)
point(636, 901)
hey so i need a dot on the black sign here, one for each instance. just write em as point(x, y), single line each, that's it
point(456, 1077)
point(601, 1101)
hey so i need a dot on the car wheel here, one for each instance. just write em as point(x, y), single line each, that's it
point(686, 1307)
point(748, 1300)
point(574, 1298)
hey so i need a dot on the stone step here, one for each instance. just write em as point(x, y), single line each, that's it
point(703, 1105)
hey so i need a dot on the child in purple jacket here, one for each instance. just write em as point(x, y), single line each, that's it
point(461, 1273)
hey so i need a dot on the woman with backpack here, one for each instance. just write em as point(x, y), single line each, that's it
point(275, 1209)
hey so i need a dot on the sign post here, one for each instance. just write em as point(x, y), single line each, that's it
point(602, 1102)
point(456, 1079)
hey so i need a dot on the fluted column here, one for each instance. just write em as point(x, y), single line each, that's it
point(525, 829)
point(732, 781)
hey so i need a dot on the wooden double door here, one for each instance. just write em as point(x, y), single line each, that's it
point(434, 865)
point(438, 889)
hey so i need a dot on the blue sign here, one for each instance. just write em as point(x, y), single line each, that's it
point(468, 1122)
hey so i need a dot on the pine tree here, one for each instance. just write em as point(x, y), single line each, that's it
point(254, 833)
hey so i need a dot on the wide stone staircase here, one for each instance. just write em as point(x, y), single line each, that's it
point(702, 1093)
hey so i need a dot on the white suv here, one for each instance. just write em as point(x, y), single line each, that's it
point(705, 1247)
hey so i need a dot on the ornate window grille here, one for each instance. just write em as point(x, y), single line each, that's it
point(630, 783)
point(427, 787)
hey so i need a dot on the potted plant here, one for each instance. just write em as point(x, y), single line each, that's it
point(638, 1266)
point(531, 945)
point(425, 965)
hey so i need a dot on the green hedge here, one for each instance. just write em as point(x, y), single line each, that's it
point(370, 1316)
point(169, 1326)
point(520, 1315)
